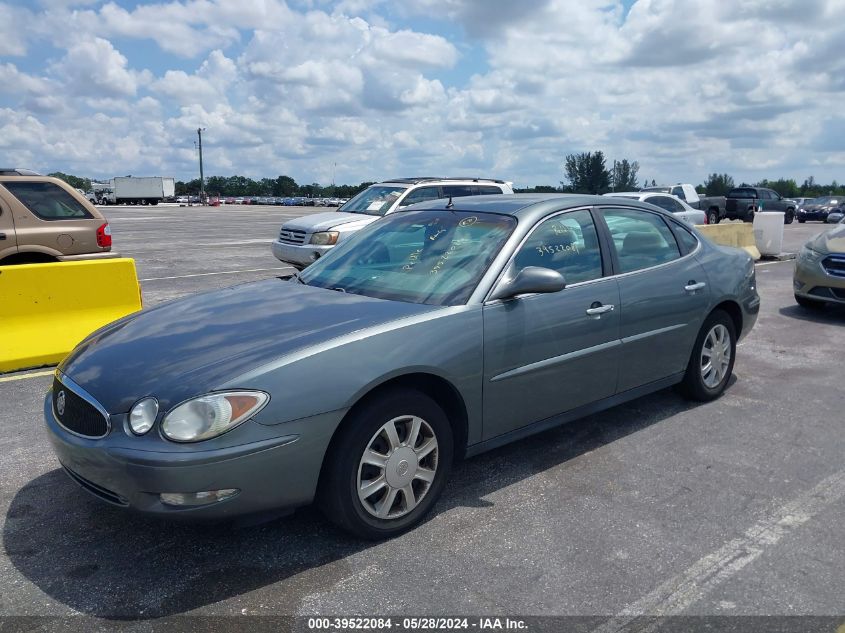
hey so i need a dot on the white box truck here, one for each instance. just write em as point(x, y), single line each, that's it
point(131, 190)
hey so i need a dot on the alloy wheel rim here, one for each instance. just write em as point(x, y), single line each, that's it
point(715, 356)
point(397, 467)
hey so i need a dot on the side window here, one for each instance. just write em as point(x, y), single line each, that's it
point(47, 200)
point(457, 191)
point(687, 240)
point(665, 202)
point(679, 191)
point(421, 195)
point(567, 243)
point(641, 239)
point(486, 190)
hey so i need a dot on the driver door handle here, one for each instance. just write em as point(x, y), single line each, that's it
point(596, 310)
point(692, 286)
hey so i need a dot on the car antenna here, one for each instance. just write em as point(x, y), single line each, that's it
point(450, 204)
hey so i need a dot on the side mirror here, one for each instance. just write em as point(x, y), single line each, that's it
point(531, 279)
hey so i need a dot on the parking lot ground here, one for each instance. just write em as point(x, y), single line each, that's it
point(660, 506)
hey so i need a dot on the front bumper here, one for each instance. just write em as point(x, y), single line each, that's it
point(811, 215)
point(277, 473)
point(299, 255)
point(812, 281)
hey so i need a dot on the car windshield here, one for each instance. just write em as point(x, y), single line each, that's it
point(434, 257)
point(825, 200)
point(375, 200)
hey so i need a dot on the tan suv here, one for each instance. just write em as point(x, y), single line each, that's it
point(44, 219)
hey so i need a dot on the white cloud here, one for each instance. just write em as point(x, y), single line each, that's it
point(95, 66)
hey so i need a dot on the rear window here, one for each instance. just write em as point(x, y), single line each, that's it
point(46, 200)
point(742, 193)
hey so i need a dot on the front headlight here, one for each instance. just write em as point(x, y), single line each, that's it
point(143, 415)
point(211, 415)
point(325, 238)
point(809, 256)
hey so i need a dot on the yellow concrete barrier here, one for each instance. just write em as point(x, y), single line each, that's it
point(737, 234)
point(47, 309)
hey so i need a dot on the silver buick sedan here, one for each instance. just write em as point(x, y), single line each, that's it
point(433, 334)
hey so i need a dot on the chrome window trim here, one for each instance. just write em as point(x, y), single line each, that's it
point(68, 383)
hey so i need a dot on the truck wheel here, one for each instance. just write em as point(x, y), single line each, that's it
point(713, 216)
point(153, 202)
point(789, 216)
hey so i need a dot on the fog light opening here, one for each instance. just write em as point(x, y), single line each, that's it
point(206, 497)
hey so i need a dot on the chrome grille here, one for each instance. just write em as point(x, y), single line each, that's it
point(834, 265)
point(292, 236)
point(76, 414)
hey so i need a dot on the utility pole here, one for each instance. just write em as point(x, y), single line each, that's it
point(202, 178)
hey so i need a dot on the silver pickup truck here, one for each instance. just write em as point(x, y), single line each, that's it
point(304, 240)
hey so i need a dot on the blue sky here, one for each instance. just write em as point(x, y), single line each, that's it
point(372, 88)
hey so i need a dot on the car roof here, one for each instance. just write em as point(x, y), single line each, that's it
point(635, 194)
point(17, 171)
point(420, 179)
point(525, 205)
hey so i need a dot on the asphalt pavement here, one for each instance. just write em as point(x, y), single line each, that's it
point(660, 506)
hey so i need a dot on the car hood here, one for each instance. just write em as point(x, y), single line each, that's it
point(328, 220)
point(191, 346)
point(832, 241)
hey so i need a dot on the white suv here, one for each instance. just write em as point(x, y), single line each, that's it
point(302, 241)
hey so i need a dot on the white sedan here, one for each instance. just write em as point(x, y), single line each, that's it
point(666, 201)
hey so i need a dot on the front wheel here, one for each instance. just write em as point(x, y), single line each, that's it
point(800, 221)
point(711, 363)
point(713, 217)
point(789, 216)
point(387, 466)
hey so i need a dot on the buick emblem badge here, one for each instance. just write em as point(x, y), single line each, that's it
point(60, 403)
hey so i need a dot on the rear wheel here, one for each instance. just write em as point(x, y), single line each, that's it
point(388, 465)
point(789, 216)
point(812, 304)
point(713, 216)
point(711, 363)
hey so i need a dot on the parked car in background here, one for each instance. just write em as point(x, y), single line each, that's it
point(668, 202)
point(713, 206)
point(819, 208)
point(435, 333)
point(819, 276)
point(303, 240)
point(743, 202)
point(800, 202)
point(836, 217)
point(44, 219)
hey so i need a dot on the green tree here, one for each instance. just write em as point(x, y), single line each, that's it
point(74, 181)
point(284, 186)
point(624, 176)
point(718, 184)
point(587, 172)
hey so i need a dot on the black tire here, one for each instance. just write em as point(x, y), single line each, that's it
point(800, 221)
point(337, 495)
point(810, 304)
point(713, 216)
point(789, 216)
point(693, 385)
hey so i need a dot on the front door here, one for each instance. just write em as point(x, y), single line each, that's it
point(664, 297)
point(545, 354)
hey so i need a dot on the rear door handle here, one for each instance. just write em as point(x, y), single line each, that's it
point(692, 286)
point(596, 310)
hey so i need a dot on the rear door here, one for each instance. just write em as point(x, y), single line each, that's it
point(663, 296)
point(8, 240)
point(545, 354)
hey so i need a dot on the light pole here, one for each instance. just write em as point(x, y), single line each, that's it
point(200, 130)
